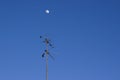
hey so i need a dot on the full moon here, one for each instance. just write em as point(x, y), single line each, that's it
point(47, 11)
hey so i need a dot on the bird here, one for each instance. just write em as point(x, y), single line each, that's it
point(43, 55)
point(40, 36)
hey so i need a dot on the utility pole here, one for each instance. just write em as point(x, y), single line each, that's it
point(46, 53)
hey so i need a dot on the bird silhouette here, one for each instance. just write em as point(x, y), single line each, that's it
point(43, 55)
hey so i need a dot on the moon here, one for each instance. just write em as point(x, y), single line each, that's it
point(47, 11)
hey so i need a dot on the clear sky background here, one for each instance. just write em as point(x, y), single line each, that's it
point(86, 35)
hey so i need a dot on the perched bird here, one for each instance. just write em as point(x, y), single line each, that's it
point(43, 54)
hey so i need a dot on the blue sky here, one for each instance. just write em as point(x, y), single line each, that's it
point(85, 33)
